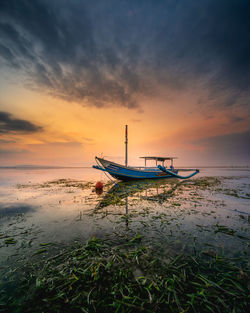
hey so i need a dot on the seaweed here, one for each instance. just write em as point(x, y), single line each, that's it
point(10, 241)
point(101, 277)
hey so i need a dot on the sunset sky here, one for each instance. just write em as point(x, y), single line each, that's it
point(73, 73)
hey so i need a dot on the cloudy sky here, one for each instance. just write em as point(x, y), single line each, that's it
point(73, 73)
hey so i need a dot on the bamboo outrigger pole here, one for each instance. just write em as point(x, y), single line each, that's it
point(126, 145)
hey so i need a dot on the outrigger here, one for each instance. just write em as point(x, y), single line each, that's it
point(127, 173)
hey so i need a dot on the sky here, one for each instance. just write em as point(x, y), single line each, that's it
point(74, 73)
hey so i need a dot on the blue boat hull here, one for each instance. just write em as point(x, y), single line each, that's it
point(123, 173)
point(132, 177)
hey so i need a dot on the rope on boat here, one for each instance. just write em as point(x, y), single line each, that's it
point(98, 163)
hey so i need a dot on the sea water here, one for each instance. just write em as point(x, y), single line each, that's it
point(43, 210)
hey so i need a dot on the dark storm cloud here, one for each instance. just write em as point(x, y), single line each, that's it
point(109, 52)
point(10, 124)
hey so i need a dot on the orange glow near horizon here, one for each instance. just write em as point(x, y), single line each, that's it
point(73, 134)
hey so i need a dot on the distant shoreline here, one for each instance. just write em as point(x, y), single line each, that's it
point(40, 167)
point(75, 167)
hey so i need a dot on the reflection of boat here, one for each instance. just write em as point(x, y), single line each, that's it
point(127, 173)
point(117, 193)
point(124, 193)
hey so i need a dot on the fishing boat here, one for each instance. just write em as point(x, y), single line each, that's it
point(128, 173)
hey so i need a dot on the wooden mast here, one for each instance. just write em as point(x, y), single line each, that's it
point(126, 145)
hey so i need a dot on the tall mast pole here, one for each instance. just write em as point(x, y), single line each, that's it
point(126, 145)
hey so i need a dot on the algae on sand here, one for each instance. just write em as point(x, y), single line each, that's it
point(100, 277)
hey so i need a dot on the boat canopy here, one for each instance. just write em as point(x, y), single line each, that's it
point(161, 159)
point(158, 159)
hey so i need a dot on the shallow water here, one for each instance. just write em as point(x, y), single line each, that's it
point(42, 210)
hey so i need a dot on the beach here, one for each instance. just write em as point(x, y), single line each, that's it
point(49, 212)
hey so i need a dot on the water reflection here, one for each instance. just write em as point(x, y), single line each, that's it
point(99, 191)
point(182, 214)
point(65, 210)
point(126, 216)
point(144, 190)
point(125, 194)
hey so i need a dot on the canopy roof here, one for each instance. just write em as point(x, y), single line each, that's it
point(161, 159)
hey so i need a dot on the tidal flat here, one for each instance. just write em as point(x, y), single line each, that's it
point(155, 246)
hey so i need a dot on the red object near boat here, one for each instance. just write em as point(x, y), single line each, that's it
point(99, 185)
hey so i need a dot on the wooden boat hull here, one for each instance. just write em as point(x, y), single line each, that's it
point(124, 173)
